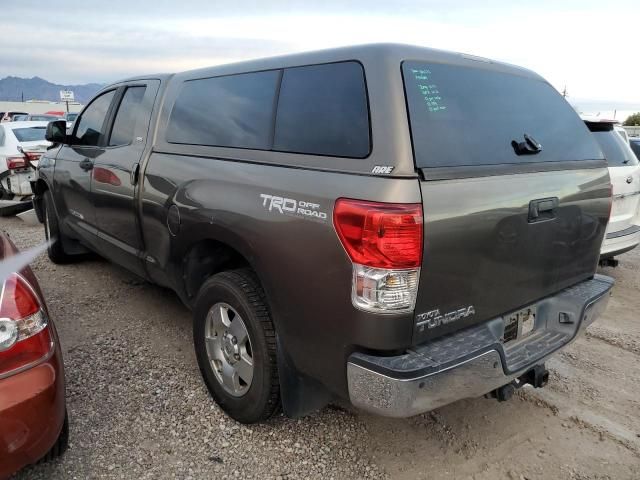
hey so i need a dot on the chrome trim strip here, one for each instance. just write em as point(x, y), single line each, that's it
point(624, 195)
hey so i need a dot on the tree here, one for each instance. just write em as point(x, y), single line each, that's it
point(632, 120)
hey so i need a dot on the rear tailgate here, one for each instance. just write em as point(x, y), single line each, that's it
point(626, 198)
point(507, 221)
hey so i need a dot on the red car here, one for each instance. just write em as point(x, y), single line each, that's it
point(33, 422)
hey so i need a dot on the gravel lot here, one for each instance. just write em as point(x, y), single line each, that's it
point(139, 409)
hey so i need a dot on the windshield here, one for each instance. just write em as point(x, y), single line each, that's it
point(463, 116)
point(615, 149)
point(30, 134)
point(71, 116)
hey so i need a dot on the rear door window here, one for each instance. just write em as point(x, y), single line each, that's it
point(323, 110)
point(90, 128)
point(635, 146)
point(615, 149)
point(464, 116)
point(231, 111)
point(125, 122)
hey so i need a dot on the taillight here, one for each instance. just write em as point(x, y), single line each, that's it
point(24, 336)
point(16, 162)
point(23, 161)
point(384, 242)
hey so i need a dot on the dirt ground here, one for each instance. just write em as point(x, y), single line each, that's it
point(138, 407)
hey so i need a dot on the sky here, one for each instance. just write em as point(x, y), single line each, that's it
point(584, 45)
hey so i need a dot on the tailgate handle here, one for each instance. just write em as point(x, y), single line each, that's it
point(543, 209)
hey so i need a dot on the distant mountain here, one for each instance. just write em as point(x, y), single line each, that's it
point(14, 89)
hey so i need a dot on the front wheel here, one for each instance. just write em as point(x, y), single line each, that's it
point(235, 345)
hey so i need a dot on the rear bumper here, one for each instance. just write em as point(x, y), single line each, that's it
point(32, 410)
point(472, 362)
point(617, 243)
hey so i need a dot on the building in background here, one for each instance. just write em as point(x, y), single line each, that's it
point(38, 106)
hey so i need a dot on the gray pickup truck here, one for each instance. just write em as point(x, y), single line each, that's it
point(396, 226)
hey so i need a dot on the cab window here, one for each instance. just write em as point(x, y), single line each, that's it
point(90, 126)
point(125, 123)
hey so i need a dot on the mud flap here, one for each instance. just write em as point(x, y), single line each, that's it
point(300, 394)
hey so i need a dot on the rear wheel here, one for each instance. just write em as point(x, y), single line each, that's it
point(52, 232)
point(4, 194)
point(235, 346)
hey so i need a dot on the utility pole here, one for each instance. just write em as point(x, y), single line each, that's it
point(565, 93)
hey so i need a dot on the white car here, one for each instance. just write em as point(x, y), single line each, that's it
point(21, 145)
point(623, 231)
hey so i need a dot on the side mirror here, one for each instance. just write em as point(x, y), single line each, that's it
point(56, 132)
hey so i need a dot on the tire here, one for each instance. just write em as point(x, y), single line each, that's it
point(61, 444)
point(4, 194)
point(52, 231)
point(222, 300)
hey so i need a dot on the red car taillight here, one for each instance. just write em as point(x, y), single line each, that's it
point(16, 162)
point(23, 161)
point(384, 241)
point(24, 335)
point(32, 157)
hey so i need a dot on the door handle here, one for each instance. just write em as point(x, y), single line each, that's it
point(543, 209)
point(86, 164)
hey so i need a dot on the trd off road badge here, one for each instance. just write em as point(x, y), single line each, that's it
point(293, 207)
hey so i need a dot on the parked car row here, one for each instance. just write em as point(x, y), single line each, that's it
point(50, 116)
point(43, 117)
point(8, 116)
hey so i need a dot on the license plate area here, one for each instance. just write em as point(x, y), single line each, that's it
point(519, 324)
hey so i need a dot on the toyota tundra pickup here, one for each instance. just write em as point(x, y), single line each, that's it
point(397, 226)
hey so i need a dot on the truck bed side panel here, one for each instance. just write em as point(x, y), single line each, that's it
point(299, 259)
